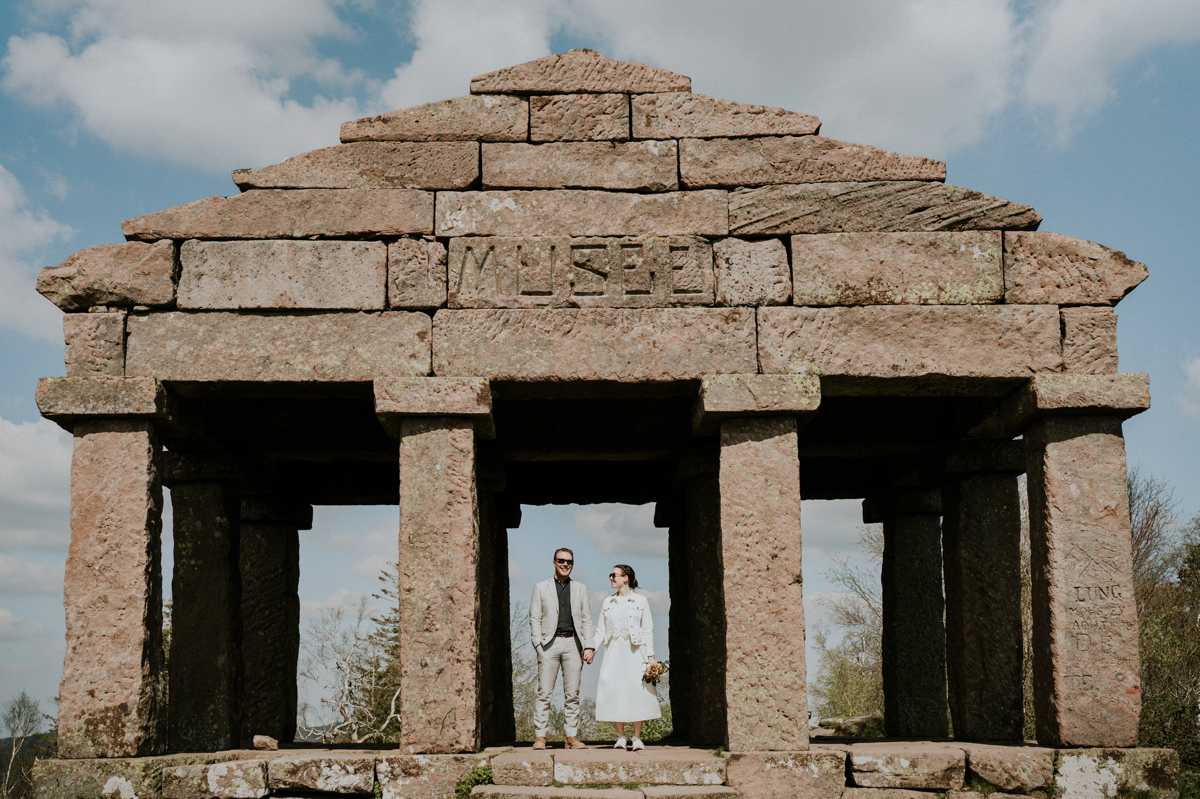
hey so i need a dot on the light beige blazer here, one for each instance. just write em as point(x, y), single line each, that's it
point(543, 614)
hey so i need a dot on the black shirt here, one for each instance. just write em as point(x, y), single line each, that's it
point(566, 624)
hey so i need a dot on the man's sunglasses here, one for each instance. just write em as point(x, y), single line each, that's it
point(564, 561)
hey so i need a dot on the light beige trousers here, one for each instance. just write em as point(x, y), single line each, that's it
point(562, 653)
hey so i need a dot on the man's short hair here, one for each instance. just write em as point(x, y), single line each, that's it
point(563, 549)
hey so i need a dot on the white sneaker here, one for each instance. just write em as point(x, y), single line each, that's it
point(637, 744)
point(620, 744)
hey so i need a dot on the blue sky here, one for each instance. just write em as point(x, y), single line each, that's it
point(1085, 109)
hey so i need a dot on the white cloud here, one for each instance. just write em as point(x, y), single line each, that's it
point(339, 600)
point(24, 231)
point(13, 627)
point(625, 531)
point(1076, 47)
point(35, 485)
point(1190, 402)
point(20, 576)
point(204, 84)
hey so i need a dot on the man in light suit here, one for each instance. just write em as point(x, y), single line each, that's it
point(560, 622)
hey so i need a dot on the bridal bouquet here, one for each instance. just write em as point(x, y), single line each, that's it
point(654, 671)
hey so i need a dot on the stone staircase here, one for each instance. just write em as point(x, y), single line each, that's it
point(655, 773)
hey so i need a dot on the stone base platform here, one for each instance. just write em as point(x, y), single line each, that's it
point(877, 769)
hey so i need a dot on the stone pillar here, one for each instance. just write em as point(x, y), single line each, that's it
point(708, 624)
point(109, 698)
point(436, 420)
point(205, 671)
point(269, 567)
point(1087, 687)
point(668, 513)
point(1086, 670)
point(495, 652)
point(766, 694)
point(981, 545)
point(914, 634)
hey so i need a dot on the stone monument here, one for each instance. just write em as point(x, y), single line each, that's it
point(583, 283)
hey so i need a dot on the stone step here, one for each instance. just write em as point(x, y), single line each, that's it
point(579, 792)
point(653, 766)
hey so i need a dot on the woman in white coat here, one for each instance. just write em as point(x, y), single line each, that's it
point(627, 632)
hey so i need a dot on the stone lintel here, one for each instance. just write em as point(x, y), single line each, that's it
point(729, 396)
point(264, 509)
point(901, 502)
point(1120, 395)
point(397, 397)
point(66, 400)
point(984, 456)
point(206, 467)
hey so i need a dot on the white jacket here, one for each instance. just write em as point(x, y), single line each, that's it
point(631, 612)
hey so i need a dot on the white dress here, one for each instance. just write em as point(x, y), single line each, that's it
point(627, 632)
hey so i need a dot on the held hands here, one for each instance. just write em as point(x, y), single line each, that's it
point(588, 655)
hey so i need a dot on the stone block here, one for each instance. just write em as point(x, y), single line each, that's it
point(399, 397)
point(885, 504)
point(682, 115)
point(919, 767)
point(729, 396)
point(795, 159)
point(470, 118)
point(911, 341)
point(689, 792)
point(238, 779)
point(577, 71)
point(528, 791)
point(1061, 270)
point(951, 268)
point(423, 776)
point(1086, 669)
point(765, 695)
point(69, 399)
point(581, 213)
point(595, 344)
point(111, 778)
point(1089, 340)
point(579, 117)
point(1120, 395)
point(416, 274)
point(900, 793)
point(656, 766)
point(134, 273)
point(630, 166)
point(541, 272)
point(1108, 773)
point(276, 275)
point(110, 691)
point(371, 165)
point(523, 768)
point(438, 565)
point(885, 205)
point(331, 773)
point(752, 272)
point(330, 347)
point(293, 214)
point(1012, 769)
point(812, 774)
point(95, 344)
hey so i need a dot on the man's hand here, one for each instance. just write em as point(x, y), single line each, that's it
point(588, 654)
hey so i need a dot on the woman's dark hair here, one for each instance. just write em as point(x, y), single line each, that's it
point(628, 572)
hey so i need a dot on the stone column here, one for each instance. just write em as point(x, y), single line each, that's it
point(981, 545)
point(205, 672)
point(495, 652)
point(1086, 686)
point(914, 634)
point(439, 549)
point(269, 567)
point(110, 696)
point(111, 683)
point(668, 513)
point(765, 689)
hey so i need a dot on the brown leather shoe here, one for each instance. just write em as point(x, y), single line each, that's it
point(539, 743)
point(575, 743)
